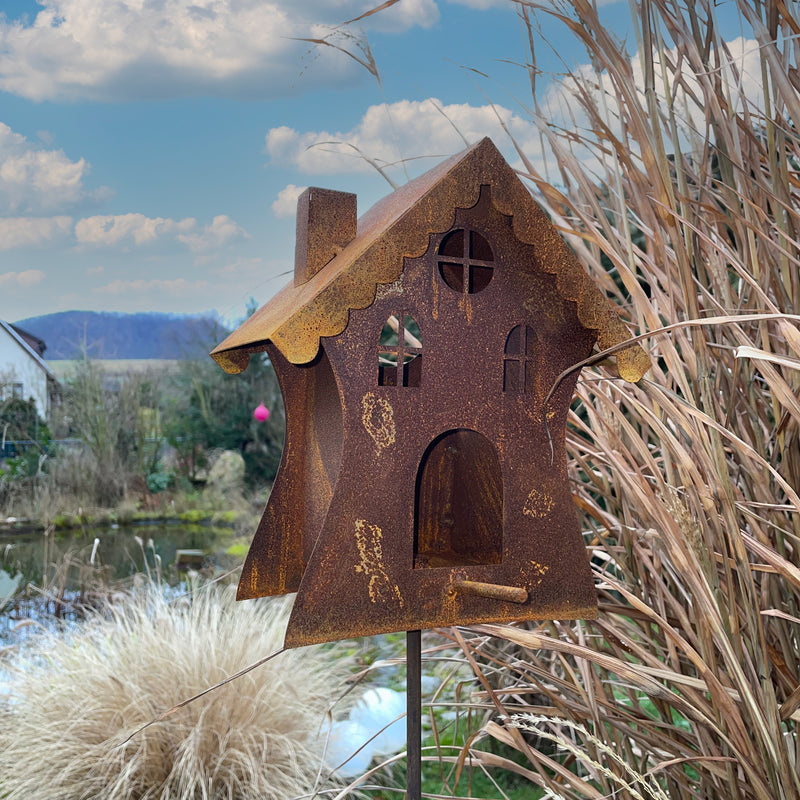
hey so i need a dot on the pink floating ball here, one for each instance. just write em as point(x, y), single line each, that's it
point(261, 413)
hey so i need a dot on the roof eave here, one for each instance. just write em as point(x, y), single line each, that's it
point(28, 349)
point(298, 317)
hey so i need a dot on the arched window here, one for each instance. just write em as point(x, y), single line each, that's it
point(458, 513)
point(518, 360)
point(466, 261)
point(400, 352)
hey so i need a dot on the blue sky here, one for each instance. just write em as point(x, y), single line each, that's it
point(151, 150)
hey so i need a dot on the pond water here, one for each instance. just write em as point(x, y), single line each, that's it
point(48, 577)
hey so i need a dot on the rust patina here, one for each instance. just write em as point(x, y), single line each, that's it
point(423, 481)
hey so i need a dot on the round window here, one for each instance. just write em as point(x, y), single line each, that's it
point(466, 261)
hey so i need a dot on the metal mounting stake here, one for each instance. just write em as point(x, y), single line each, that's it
point(414, 714)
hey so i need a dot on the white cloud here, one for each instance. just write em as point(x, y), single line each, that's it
point(137, 48)
point(29, 277)
point(245, 278)
point(121, 231)
point(285, 204)
point(481, 4)
point(221, 231)
point(243, 267)
point(405, 15)
point(124, 230)
point(427, 129)
point(745, 59)
point(32, 231)
point(387, 133)
point(33, 179)
point(740, 81)
point(484, 5)
point(127, 228)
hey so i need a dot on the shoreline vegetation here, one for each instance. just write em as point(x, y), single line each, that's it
point(226, 511)
point(121, 447)
point(105, 518)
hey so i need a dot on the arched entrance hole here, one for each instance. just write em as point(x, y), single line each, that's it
point(458, 517)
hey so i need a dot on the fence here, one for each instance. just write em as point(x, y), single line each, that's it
point(10, 448)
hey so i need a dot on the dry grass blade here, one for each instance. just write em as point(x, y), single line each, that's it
point(376, 10)
point(741, 352)
point(379, 168)
point(761, 355)
point(366, 59)
point(178, 706)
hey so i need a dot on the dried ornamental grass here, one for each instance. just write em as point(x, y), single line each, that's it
point(674, 173)
point(76, 698)
point(678, 184)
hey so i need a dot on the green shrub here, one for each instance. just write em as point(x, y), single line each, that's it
point(238, 550)
point(158, 481)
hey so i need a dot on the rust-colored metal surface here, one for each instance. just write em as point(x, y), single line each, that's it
point(326, 223)
point(300, 315)
point(424, 480)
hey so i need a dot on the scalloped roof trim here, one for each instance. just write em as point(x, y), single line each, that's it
point(398, 227)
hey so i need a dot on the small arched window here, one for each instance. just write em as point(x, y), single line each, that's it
point(400, 352)
point(518, 360)
point(466, 261)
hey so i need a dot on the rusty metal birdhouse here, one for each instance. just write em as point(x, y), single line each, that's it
point(424, 478)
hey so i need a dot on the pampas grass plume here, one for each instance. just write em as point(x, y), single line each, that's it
point(76, 698)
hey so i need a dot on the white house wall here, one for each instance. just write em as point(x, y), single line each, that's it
point(18, 366)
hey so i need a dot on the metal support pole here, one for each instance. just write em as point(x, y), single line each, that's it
point(414, 714)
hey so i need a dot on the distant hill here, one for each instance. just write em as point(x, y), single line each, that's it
point(105, 335)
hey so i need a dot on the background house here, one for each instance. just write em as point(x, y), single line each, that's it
point(23, 372)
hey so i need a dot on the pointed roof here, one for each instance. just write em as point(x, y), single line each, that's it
point(22, 339)
point(400, 226)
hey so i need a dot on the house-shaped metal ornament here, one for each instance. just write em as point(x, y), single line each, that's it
point(424, 480)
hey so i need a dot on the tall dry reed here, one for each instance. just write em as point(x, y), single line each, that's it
point(678, 185)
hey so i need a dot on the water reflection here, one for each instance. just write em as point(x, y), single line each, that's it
point(49, 578)
point(8, 586)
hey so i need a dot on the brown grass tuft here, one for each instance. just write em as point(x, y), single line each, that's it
point(78, 696)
